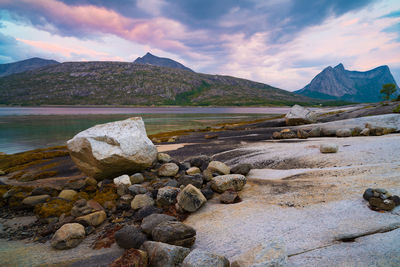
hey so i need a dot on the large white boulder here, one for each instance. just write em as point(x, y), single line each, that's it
point(299, 115)
point(112, 149)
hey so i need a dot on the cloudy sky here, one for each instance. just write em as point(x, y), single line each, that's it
point(284, 43)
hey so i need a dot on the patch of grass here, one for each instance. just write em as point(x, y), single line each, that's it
point(397, 109)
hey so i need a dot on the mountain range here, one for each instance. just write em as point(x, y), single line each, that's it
point(25, 65)
point(354, 86)
point(123, 83)
point(160, 61)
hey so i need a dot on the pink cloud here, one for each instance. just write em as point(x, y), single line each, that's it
point(160, 32)
point(70, 50)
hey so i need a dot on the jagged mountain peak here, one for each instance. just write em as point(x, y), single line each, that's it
point(151, 59)
point(356, 86)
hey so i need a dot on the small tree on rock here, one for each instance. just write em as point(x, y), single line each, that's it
point(387, 90)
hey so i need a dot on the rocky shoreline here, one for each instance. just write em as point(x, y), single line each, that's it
point(145, 212)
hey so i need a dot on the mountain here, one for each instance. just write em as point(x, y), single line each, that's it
point(24, 65)
point(160, 61)
point(354, 86)
point(122, 83)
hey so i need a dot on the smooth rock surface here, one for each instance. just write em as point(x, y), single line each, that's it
point(201, 258)
point(193, 171)
point(68, 236)
point(112, 149)
point(272, 254)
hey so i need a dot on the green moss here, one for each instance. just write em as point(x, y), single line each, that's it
point(81, 195)
point(108, 193)
point(21, 161)
point(53, 208)
point(397, 109)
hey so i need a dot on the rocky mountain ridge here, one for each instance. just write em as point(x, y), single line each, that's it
point(122, 83)
point(25, 65)
point(160, 62)
point(355, 86)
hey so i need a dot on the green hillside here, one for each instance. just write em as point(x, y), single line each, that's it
point(119, 83)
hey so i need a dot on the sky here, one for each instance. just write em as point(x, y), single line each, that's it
point(283, 43)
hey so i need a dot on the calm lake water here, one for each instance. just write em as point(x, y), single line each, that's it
point(23, 128)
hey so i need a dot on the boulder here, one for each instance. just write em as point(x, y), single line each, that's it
point(381, 204)
point(368, 193)
point(81, 208)
point(229, 197)
point(67, 194)
point(163, 158)
point(137, 178)
point(299, 115)
point(207, 192)
point(174, 233)
point(276, 135)
point(193, 171)
point(287, 134)
point(168, 169)
point(328, 132)
point(302, 134)
point(164, 255)
point(146, 211)
point(200, 161)
point(68, 236)
point(233, 182)
point(122, 189)
point(242, 168)
point(315, 132)
point(166, 196)
point(190, 198)
point(207, 175)
point(137, 189)
point(268, 255)
point(122, 180)
point(201, 258)
point(343, 132)
point(130, 237)
point(365, 132)
point(112, 149)
point(328, 148)
point(151, 221)
point(141, 201)
point(196, 180)
point(34, 200)
point(220, 167)
point(93, 219)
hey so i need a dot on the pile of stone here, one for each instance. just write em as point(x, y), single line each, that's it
point(380, 199)
point(317, 131)
point(142, 193)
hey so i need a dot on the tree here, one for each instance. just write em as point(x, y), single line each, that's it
point(388, 89)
